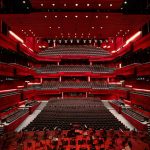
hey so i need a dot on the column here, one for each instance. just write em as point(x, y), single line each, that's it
point(60, 79)
point(107, 80)
point(54, 43)
point(86, 94)
point(41, 80)
point(89, 79)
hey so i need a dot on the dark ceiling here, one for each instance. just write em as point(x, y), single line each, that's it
point(73, 18)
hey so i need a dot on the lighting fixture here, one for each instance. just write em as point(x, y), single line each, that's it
point(134, 37)
point(16, 36)
point(125, 2)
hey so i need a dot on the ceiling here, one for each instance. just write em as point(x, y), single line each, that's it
point(75, 24)
point(76, 4)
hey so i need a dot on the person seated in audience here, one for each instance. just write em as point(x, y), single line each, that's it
point(71, 133)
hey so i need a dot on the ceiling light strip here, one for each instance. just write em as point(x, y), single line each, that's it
point(16, 36)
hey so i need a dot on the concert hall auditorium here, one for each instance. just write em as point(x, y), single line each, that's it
point(74, 74)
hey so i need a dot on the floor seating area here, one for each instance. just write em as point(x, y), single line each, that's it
point(9, 93)
point(31, 103)
point(134, 114)
point(1, 129)
point(14, 116)
point(74, 68)
point(4, 113)
point(141, 93)
point(117, 105)
point(75, 50)
point(75, 139)
point(61, 113)
point(117, 102)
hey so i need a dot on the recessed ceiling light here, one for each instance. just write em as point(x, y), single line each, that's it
point(75, 33)
point(110, 5)
point(101, 27)
point(76, 4)
point(88, 36)
point(27, 7)
point(22, 30)
point(88, 4)
point(23, 2)
point(58, 27)
point(106, 17)
point(76, 16)
point(96, 16)
point(125, 2)
point(66, 16)
point(86, 16)
point(89, 33)
point(56, 36)
point(121, 8)
point(65, 5)
point(99, 5)
point(30, 30)
point(50, 27)
point(68, 33)
point(61, 33)
point(53, 4)
point(128, 30)
point(82, 33)
point(120, 30)
point(45, 16)
point(92, 27)
point(75, 36)
point(55, 16)
point(42, 5)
